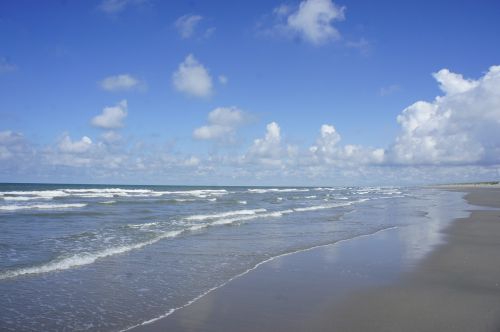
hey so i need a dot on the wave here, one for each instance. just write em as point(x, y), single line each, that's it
point(145, 225)
point(34, 194)
point(231, 217)
point(41, 207)
point(23, 198)
point(201, 193)
point(104, 193)
point(327, 189)
point(107, 202)
point(84, 258)
point(276, 190)
point(228, 221)
point(201, 217)
point(225, 218)
point(327, 206)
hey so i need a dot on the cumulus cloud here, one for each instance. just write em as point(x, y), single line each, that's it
point(119, 83)
point(452, 83)
point(270, 150)
point(460, 127)
point(192, 78)
point(454, 137)
point(327, 150)
point(116, 6)
point(112, 116)
point(186, 25)
point(11, 144)
point(222, 124)
point(69, 146)
point(312, 20)
point(269, 146)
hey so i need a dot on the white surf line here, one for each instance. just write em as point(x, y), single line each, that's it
point(200, 217)
point(41, 207)
point(82, 259)
point(171, 311)
point(277, 190)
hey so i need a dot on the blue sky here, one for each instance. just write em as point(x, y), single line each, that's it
point(257, 92)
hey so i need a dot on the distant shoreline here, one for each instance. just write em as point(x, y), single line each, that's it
point(488, 184)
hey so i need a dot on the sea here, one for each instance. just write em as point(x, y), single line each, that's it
point(111, 257)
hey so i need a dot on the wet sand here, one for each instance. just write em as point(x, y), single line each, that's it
point(384, 282)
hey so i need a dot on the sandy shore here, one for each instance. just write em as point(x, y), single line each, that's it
point(384, 282)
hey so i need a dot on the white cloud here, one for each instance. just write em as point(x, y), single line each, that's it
point(282, 10)
point(11, 144)
point(68, 146)
point(327, 150)
point(460, 127)
point(192, 161)
point(222, 124)
point(116, 6)
point(119, 83)
point(186, 25)
point(452, 83)
point(112, 117)
point(111, 136)
point(192, 78)
point(329, 137)
point(269, 150)
point(9, 137)
point(312, 20)
point(6, 66)
point(454, 137)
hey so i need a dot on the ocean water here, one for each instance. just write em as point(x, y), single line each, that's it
point(96, 257)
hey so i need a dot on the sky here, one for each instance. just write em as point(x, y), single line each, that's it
point(311, 92)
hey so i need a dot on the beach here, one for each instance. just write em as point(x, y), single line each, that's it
point(177, 258)
point(413, 278)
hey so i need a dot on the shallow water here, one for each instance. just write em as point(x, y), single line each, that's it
point(108, 257)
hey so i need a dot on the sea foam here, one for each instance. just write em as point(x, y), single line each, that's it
point(84, 258)
point(41, 207)
point(223, 214)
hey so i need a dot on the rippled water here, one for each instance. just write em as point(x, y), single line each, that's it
point(109, 257)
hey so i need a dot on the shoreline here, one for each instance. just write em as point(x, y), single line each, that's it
point(455, 288)
point(253, 293)
point(147, 323)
